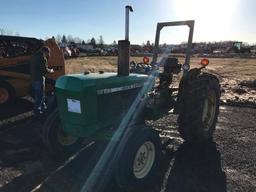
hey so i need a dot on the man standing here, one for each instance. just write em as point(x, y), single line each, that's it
point(38, 70)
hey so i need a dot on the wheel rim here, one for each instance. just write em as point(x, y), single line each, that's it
point(144, 160)
point(209, 110)
point(4, 95)
point(65, 139)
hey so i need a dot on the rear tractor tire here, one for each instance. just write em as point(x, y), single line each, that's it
point(59, 144)
point(138, 165)
point(199, 108)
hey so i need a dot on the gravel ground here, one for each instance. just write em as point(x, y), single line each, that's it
point(235, 138)
point(227, 164)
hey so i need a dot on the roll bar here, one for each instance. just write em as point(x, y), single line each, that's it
point(190, 24)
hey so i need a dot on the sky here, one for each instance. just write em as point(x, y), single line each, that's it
point(215, 20)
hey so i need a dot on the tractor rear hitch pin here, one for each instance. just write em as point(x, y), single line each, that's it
point(127, 10)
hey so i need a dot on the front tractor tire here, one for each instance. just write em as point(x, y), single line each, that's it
point(138, 166)
point(59, 144)
point(7, 93)
point(199, 108)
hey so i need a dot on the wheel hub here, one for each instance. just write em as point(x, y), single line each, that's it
point(144, 160)
point(209, 109)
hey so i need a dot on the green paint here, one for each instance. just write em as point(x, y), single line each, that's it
point(99, 110)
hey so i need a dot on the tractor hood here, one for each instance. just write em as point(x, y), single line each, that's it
point(88, 102)
point(76, 82)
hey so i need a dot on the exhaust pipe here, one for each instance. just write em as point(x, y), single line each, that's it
point(128, 9)
point(124, 48)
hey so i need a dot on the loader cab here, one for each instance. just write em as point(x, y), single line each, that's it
point(15, 56)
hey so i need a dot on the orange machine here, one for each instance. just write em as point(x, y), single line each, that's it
point(15, 56)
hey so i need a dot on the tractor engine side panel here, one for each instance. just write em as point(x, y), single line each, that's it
point(92, 103)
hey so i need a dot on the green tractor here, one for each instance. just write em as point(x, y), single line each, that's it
point(115, 106)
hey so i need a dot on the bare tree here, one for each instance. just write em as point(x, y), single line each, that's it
point(77, 40)
point(148, 43)
point(101, 42)
point(93, 42)
point(2, 31)
point(9, 32)
point(64, 39)
point(70, 38)
point(58, 38)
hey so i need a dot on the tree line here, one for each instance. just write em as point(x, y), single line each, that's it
point(4, 31)
point(66, 39)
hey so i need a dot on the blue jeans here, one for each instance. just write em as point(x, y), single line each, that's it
point(38, 88)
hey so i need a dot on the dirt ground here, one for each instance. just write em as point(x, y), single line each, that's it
point(227, 164)
point(237, 75)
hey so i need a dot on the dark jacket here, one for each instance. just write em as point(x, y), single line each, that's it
point(38, 66)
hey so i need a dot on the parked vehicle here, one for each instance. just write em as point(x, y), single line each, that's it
point(66, 52)
point(15, 55)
